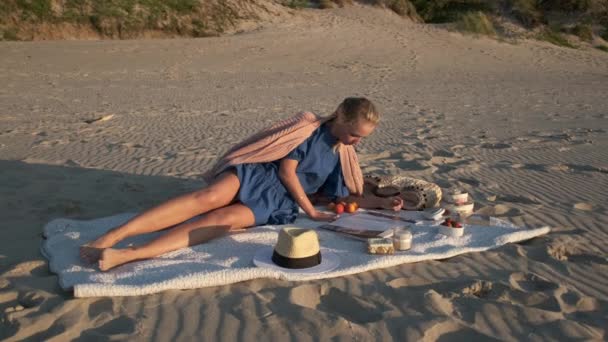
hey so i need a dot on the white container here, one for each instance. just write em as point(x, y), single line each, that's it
point(433, 213)
point(402, 239)
point(459, 199)
point(451, 231)
point(463, 210)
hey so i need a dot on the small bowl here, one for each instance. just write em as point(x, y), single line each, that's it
point(451, 231)
point(459, 199)
point(463, 210)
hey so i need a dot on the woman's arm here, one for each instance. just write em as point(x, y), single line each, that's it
point(287, 174)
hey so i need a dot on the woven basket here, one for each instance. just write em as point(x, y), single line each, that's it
point(417, 194)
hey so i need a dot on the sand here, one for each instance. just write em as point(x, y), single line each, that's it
point(94, 128)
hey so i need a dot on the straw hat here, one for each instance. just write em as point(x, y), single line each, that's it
point(297, 251)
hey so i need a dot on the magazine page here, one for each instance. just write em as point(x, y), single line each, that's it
point(363, 225)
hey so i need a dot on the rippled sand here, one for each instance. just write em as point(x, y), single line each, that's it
point(93, 128)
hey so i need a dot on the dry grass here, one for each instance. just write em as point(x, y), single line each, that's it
point(476, 23)
point(445, 11)
point(526, 12)
point(554, 37)
point(20, 19)
point(117, 18)
point(583, 31)
point(604, 34)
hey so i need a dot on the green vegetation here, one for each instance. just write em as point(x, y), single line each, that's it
point(296, 3)
point(554, 37)
point(602, 47)
point(326, 4)
point(402, 7)
point(604, 34)
point(477, 23)
point(548, 20)
point(35, 9)
point(9, 34)
point(583, 31)
point(526, 12)
point(120, 18)
point(446, 11)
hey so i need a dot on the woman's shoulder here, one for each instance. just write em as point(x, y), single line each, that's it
point(308, 116)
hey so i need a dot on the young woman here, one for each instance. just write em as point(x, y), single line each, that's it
point(246, 195)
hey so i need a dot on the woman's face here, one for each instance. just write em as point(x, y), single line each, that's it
point(351, 133)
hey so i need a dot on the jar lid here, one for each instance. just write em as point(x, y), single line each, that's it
point(403, 234)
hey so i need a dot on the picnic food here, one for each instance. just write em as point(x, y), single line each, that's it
point(449, 222)
point(451, 227)
point(458, 197)
point(463, 210)
point(339, 208)
point(380, 246)
point(402, 239)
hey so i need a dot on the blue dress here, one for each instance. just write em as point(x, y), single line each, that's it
point(318, 170)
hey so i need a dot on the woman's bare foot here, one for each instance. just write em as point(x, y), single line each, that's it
point(91, 252)
point(111, 258)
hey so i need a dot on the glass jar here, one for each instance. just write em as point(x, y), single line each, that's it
point(402, 239)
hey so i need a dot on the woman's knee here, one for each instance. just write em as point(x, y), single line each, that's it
point(230, 219)
point(206, 198)
point(215, 219)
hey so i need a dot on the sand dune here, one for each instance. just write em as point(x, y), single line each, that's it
point(94, 128)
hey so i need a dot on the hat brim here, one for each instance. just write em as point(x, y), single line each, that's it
point(329, 262)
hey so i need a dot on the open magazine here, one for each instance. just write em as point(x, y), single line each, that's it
point(365, 225)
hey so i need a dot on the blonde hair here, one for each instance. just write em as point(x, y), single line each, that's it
point(353, 108)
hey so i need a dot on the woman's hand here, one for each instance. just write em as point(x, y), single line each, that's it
point(322, 216)
point(392, 203)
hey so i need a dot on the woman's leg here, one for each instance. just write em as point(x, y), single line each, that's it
point(215, 223)
point(219, 194)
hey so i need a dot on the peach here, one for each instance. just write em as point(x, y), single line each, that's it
point(351, 207)
point(339, 208)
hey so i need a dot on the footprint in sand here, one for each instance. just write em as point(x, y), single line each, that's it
point(479, 289)
point(443, 153)
point(470, 181)
point(405, 282)
point(32, 298)
point(308, 296)
point(499, 210)
point(121, 327)
point(413, 165)
point(570, 252)
point(99, 307)
point(131, 145)
point(517, 199)
point(528, 282)
point(354, 308)
point(560, 251)
point(587, 168)
point(588, 259)
point(495, 146)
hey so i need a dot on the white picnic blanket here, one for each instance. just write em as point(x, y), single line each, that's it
point(228, 259)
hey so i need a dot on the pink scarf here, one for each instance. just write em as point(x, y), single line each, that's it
point(276, 142)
